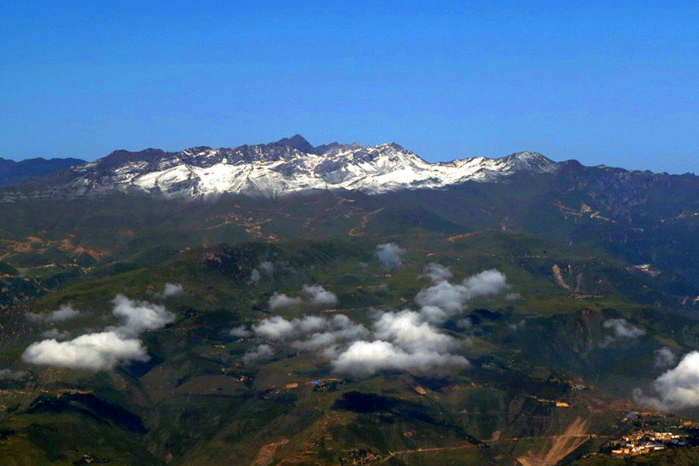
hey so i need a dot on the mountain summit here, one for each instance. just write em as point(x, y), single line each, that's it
point(297, 142)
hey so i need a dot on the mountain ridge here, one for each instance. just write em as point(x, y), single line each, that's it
point(13, 172)
point(279, 168)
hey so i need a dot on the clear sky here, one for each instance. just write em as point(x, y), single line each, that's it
point(608, 82)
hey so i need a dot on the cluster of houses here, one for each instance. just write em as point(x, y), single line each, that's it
point(647, 441)
point(359, 457)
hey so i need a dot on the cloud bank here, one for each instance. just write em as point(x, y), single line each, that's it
point(396, 340)
point(104, 350)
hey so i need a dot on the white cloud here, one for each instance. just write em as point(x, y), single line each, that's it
point(677, 388)
point(622, 328)
point(274, 328)
point(309, 324)
point(311, 333)
point(397, 340)
point(339, 329)
point(407, 331)
point(443, 300)
point(446, 296)
point(267, 267)
point(279, 328)
point(56, 334)
point(316, 294)
point(240, 332)
point(487, 283)
point(664, 357)
point(282, 301)
point(402, 340)
point(139, 316)
point(65, 312)
point(95, 351)
point(365, 358)
point(390, 255)
point(264, 269)
point(172, 289)
point(464, 323)
point(513, 296)
point(437, 272)
point(261, 352)
point(103, 350)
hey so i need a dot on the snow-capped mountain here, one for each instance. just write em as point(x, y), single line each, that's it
point(286, 166)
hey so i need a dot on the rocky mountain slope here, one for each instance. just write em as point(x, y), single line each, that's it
point(12, 172)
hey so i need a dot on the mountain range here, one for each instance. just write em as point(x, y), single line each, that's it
point(12, 172)
point(287, 166)
point(291, 305)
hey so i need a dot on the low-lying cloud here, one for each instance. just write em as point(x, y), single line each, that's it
point(316, 294)
point(402, 340)
point(56, 334)
point(408, 331)
point(265, 269)
point(172, 290)
point(308, 331)
point(104, 350)
point(139, 316)
point(65, 312)
point(261, 352)
point(366, 358)
point(444, 300)
point(395, 340)
point(437, 272)
point(240, 332)
point(313, 295)
point(621, 329)
point(678, 388)
point(281, 301)
point(390, 256)
point(94, 351)
point(664, 357)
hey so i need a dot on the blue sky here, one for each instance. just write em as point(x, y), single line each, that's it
point(603, 82)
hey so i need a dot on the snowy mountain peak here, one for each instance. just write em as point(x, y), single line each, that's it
point(531, 161)
point(286, 166)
